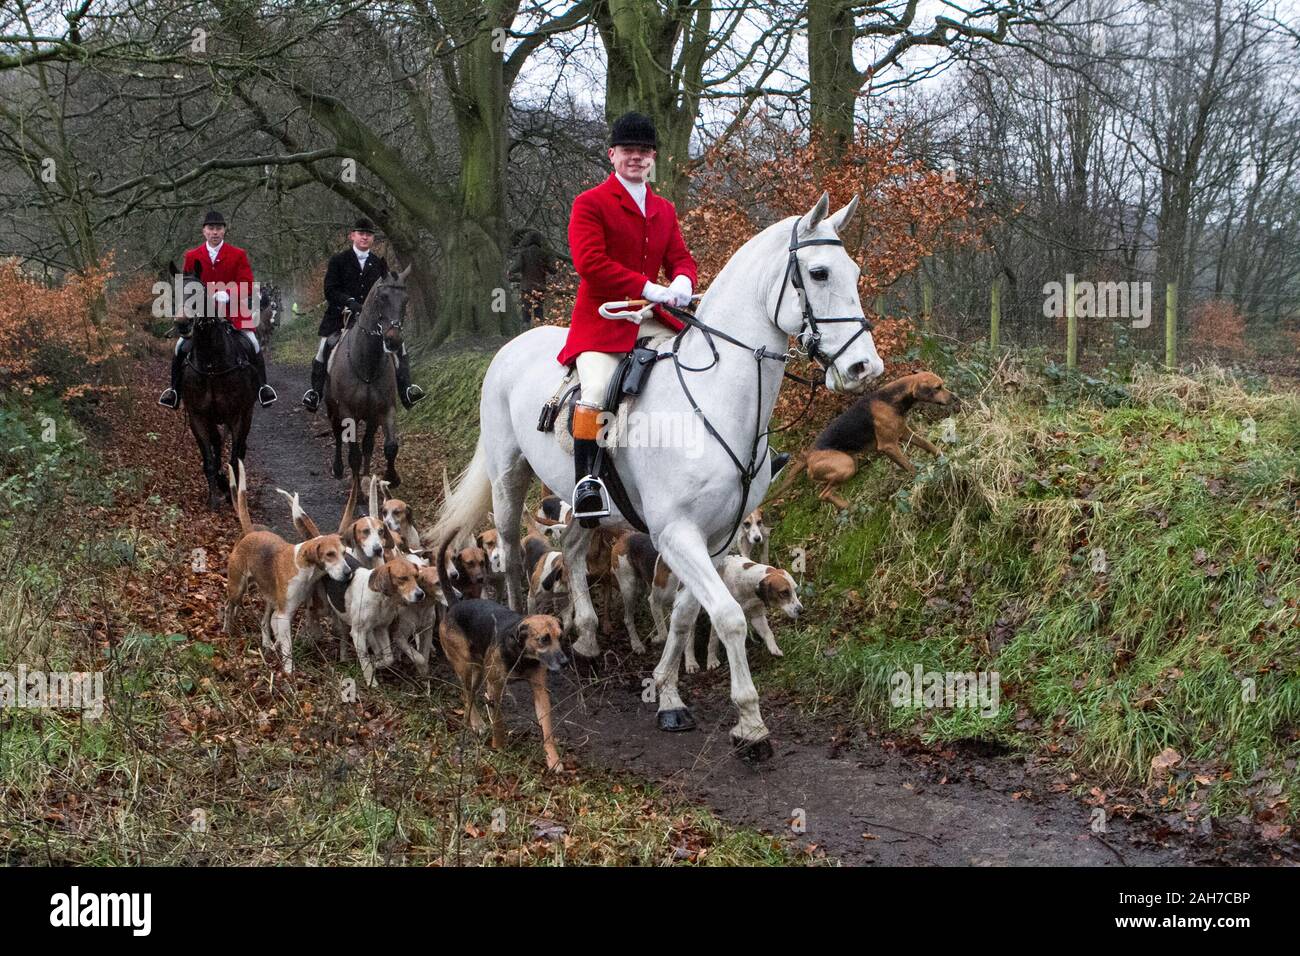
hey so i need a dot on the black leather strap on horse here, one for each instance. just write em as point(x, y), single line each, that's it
point(604, 464)
point(241, 347)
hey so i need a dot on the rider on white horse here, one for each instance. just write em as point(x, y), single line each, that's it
point(622, 237)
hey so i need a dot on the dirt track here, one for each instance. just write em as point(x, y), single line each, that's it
point(953, 806)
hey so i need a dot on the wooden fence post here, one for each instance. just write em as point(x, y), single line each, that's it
point(927, 300)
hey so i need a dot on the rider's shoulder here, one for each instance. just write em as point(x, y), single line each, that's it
point(594, 195)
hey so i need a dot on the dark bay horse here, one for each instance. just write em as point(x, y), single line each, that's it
point(218, 387)
point(361, 387)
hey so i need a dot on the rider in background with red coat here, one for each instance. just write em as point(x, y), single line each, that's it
point(622, 238)
point(223, 268)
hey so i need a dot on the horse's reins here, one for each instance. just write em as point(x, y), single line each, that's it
point(377, 331)
point(199, 322)
point(809, 338)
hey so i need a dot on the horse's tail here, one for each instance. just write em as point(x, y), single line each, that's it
point(240, 490)
point(793, 469)
point(465, 507)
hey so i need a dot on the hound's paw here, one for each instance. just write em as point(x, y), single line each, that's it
point(692, 667)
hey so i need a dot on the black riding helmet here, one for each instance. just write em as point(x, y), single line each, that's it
point(634, 129)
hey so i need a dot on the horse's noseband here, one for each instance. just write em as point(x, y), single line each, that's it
point(810, 336)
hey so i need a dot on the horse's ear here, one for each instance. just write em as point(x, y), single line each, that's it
point(841, 218)
point(401, 276)
point(814, 216)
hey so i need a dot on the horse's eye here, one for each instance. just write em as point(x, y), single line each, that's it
point(820, 274)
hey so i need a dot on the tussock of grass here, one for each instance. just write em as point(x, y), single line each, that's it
point(985, 562)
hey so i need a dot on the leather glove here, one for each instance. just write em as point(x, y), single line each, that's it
point(353, 306)
point(681, 289)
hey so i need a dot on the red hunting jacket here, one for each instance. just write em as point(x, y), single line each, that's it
point(231, 266)
point(615, 250)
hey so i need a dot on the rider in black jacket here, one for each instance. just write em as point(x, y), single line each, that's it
point(348, 279)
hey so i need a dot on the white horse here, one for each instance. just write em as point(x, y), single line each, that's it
point(789, 280)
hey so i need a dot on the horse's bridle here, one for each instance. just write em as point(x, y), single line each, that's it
point(809, 338)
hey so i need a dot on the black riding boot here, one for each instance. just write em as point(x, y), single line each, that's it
point(590, 499)
point(265, 393)
point(311, 397)
point(171, 397)
point(408, 393)
point(779, 460)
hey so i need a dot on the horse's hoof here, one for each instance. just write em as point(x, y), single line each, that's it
point(676, 721)
point(337, 470)
point(754, 751)
point(392, 479)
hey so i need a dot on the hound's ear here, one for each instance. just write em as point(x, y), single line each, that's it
point(381, 580)
point(311, 551)
point(349, 536)
point(813, 218)
point(410, 516)
point(841, 218)
point(401, 276)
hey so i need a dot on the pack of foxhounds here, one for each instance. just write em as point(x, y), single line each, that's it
point(376, 584)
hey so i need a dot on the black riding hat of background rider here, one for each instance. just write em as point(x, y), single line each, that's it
point(634, 129)
point(364, 225)
point(213, 218)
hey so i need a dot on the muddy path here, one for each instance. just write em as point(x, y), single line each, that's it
point(290, 448)
point(864, 799)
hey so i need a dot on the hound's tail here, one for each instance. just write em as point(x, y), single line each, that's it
point(301, 520)
point(793, 469)
point(449, 592)
point(467, 505)
point(240, 490)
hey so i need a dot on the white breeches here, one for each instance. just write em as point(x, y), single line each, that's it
point(252, 337)
point(595, 369)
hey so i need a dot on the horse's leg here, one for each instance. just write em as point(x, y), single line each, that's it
point(354, 454)
point(577, 540)
point(508, 493)
point(391, 444)
point(673, 714)
point(367, 447)
point(212, 465)
point(200, 431)
point(239, 437)
point(687, 553)
point(337, 424)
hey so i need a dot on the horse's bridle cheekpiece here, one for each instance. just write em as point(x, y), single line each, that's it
point(810, 336)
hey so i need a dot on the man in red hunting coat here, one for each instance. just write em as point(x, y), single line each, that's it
point(225, 270)
point(623, 239)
